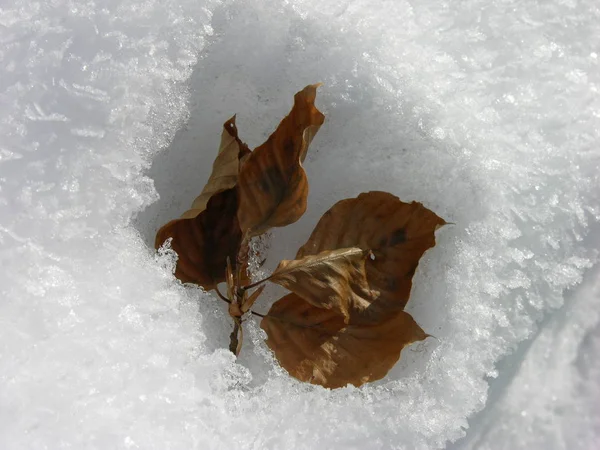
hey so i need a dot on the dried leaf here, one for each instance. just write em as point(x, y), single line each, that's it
point(272, 184)
point(208, 233)
point(397, 233)
point(333, 279)
point(249, 301)
point(316, 346)
point(204, 243)
point(229, 280)
point(226, 168)
point(235, 310)
point(330, 348)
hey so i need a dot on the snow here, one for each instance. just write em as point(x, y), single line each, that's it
point(551, 400)
point(110, 115)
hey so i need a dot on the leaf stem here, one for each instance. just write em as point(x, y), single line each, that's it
point(221, 296)
point(253, 285)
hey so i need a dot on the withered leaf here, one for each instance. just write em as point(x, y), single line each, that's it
point(250, 299)
point(326, 347)
point(226, 168)
point(204, 243)
point(332, 279)
point(397, 233)
point(209, 232)
point(316, 346)
point(273, 186)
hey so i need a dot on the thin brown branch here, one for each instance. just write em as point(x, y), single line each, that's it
point(253, 285)
point(236, 337)
point(221, 296)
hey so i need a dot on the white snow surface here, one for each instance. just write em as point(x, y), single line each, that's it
point(488, 112)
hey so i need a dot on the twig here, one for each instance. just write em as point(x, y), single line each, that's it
point(236, 337)
point(221, 296)
point(253, 285)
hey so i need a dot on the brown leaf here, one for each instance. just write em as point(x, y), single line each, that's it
point(235, 310)
point(250, 299)
point(331, 348)
point(204, 243)
point(208, 233)
point(273, 186)
point(226, 168)
point(316, 346)
point(333, 279)
point(397, 233)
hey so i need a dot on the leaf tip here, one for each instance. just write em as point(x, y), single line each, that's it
point(231, 127)
point(309, 93)
point(442, 224)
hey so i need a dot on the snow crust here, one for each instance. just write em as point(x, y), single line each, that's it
point(110, 115)
point(547, 394)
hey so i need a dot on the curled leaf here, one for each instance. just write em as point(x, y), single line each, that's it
point(204, 243)
point(397, 233)
point(226, 168)
point(316, 346)
point(250, 299)
point(332, 279)
point(209, 232)
point(273, 186)
point(333, 346)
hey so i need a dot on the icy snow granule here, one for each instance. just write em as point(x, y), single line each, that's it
point(488, 113)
